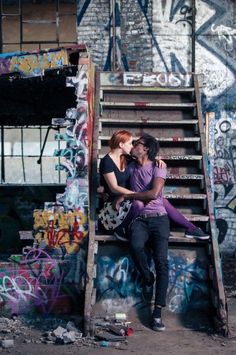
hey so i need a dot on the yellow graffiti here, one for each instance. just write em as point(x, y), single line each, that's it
point(36, 63)
point(59, 229)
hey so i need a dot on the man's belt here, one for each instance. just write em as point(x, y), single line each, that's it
point(151, 215)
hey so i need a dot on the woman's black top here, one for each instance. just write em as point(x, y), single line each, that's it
point(107, 165)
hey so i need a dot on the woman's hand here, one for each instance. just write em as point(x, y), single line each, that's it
point(161, 164)
point(118, 201)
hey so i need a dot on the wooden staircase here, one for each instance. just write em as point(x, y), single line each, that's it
point(173, 115)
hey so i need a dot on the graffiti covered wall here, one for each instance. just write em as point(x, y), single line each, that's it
point(161, 36)
point(49, 276)
point(119, 284)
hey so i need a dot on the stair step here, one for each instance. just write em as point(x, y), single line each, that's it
point(162, 139)
point(148, 121)
point(170, 157)
point(176, 237)
point(185, 196)
point(179, 157)
point(147, 104)
point(185, 177)
point(145, 89)
point(196, 217)
point(26, 235)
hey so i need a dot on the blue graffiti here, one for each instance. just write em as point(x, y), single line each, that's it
point(188, 282)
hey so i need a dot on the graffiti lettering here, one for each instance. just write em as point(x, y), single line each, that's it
point(222, 175)
point(15, 289)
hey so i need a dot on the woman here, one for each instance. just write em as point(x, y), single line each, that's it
point(115, 179)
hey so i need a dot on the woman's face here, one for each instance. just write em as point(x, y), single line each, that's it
point(127, 146)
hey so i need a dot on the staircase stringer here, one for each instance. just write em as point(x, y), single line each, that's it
point(221, 318)
point(92, 244)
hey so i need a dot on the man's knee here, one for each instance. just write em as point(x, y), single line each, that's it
point(138, 205)
point(136, 245)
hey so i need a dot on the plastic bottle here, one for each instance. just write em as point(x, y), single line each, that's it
point(109, 344)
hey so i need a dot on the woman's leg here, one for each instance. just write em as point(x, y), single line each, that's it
point(135, 210)
point(177, 216)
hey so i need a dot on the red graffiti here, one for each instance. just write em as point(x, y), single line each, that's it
point(222, 175)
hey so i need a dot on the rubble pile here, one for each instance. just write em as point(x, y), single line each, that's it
point(105, 331)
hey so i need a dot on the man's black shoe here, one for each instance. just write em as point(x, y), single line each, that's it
point(157, 325)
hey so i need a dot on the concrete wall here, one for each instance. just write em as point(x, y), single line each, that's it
point(158, 36)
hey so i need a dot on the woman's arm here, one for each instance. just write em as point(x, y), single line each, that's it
point(111, 181)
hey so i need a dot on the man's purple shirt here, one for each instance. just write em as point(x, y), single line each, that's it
point(141, 179)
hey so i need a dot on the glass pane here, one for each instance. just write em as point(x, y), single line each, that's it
point(13, 137)
point(14, 173)
point(49, 172)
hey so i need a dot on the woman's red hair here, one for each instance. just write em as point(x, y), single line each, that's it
point(120, 137)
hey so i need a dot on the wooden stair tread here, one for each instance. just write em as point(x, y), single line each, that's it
point(144, 89)
point(170, 157)
point(176, 237)
point(147, 104)
point(185, 196)
point(179, 157)
point(185, 176)
point(197, 217)
point(162, 139)
point(147, 121)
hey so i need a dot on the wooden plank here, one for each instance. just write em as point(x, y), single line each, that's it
point(179, 157)
point(146, 104)
point(145, 89)
point(196, 218)
point(162, 139)
point(152, 79)
point(185, 177)
point(185, 196)
point(26, 235)
point(148, 122)
point(170, 157)
point(176, 237)
point(92, 243)
point(218, 293)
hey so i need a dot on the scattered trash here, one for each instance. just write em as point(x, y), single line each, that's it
point(120, 330)
point(7, 343)
point(109, 344)
point(120, 317)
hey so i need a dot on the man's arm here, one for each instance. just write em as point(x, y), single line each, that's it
point(158, 184)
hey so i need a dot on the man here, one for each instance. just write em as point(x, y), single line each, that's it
point(148, 180)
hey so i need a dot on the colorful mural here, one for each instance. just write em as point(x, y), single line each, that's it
point(29, 64)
